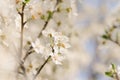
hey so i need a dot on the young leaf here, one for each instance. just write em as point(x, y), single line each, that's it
point(43, 17)
point(110, 74)
point(105, 36)
point(113, 66)
point(26, 1)
point(50, 14)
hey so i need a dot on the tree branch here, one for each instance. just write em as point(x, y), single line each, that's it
point(21, 38)
point(22, 27)
point(116, 42)
point(41, 67)
point(117, 77)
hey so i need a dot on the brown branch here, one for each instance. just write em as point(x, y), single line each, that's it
point(116, 42)
point(28, 53)
point(45, 25)
point(22, 27)
point(116, 76)
point(109, 33)
point(21, 39)
point(41, 67)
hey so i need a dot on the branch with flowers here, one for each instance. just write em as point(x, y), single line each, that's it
point(113, 72)
point(54, 49)
point(112, 35)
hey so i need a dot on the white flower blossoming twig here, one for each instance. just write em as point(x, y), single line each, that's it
point(22, 29)
point(33, 45)
point(55, 49)
point(108, 34)
point(56, 41)
point(44, 27)
point(113, 72)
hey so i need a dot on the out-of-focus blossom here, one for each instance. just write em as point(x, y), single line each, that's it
point(59, 43)
point(38, 47)
point(2, 38)
point(118, 70)
point(48, 33)
point(56, 58)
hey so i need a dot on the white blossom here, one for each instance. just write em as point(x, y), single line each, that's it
point(118, 70)
point(38, 47)
point(47, 33)
point(56, 58)
point(62, 41)
point(59, 43)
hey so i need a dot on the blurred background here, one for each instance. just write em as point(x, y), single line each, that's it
point(93, 18)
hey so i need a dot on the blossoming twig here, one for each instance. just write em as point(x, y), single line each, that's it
point(22, 29)
point(108, 34)
point(50, 15)
point(22, 26)
point(44, 27)
point(113, 72)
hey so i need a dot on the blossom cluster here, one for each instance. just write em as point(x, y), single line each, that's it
point(56, 47)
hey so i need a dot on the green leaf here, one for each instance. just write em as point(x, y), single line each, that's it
point(50, 14)
point(110, 74)
point(58, 23)
point(105, 36)
point(43, 17)
point(58, 9)
point(68, 9)
point(113, 66)
point(26, 1)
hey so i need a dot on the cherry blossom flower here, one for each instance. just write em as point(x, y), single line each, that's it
point(56, 58)
point(38, 47)
point(48, 33)
point(62, 41)
point(59, 43)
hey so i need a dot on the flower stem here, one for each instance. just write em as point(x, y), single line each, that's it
point(41, 67)
point(21, 36)
point(22, 27)
point(117, 77)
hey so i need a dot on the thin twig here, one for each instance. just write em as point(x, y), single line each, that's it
point(45, 25)
point(117, 77)
point(116, 42)
point(41, 67)
point(21, 39)
point(22, 27)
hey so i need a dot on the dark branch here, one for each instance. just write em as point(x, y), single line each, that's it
point(116, 42)
point(41, 67)
point(21, 41)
